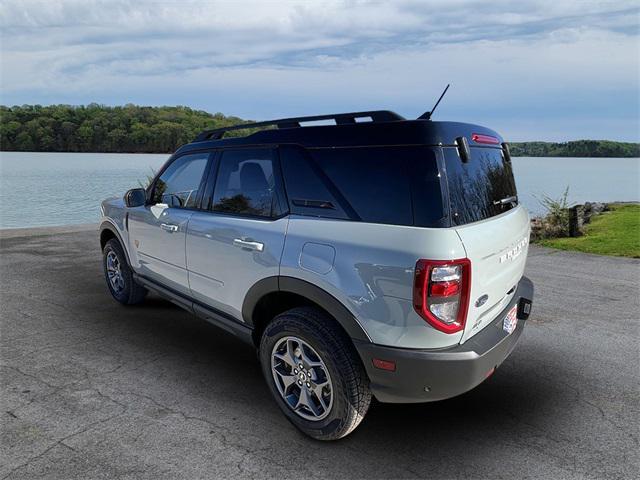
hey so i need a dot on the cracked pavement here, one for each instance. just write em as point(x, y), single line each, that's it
point(91, 389)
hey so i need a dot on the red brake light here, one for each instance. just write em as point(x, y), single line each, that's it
point(444, 289)
point(480, 138)
point(441, 292)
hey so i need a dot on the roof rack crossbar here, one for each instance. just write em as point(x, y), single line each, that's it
point(339, 118)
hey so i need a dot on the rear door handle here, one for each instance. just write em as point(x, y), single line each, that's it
point(168, 227)
point(250, 244)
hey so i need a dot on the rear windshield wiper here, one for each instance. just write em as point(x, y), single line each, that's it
point(512, 200)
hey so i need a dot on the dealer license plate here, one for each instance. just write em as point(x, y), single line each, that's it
point(511, 320)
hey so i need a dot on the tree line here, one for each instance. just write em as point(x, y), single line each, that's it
point(136, 129)
point(578, 148)
point(99, 128)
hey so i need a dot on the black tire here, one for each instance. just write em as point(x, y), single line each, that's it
point(131, 292)
point(350, 384)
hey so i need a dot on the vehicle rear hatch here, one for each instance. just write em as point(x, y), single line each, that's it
point(493, 227)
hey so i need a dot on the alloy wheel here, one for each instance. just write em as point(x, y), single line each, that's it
point(114, 272)
point(302, 378)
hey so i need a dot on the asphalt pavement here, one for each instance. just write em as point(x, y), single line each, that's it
point(92, 389)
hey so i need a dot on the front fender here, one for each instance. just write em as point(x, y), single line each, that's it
point(108, 225)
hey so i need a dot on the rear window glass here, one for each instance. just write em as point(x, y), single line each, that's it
point(390, 185)
point(481, 188)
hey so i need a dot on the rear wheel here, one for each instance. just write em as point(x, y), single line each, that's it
point(314, 373)
point(119, 276)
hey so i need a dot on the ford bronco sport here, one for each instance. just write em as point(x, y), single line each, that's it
point(375, 256)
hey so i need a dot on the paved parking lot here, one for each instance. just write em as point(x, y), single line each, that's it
point(91, 389)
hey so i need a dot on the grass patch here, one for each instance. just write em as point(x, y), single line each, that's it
point(616, 232)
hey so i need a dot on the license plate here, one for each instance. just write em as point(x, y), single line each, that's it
point(511, 320)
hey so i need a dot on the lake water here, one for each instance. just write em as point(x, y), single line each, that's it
point(42, 189)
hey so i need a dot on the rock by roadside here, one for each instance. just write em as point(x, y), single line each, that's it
point(568, 222)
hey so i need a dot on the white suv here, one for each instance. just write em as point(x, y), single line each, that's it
point(376, 256)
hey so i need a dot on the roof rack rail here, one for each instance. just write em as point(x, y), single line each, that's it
point(294, 122)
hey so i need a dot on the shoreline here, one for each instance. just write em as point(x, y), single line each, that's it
point(119, 153)
point(42, 231)
point(171, 153)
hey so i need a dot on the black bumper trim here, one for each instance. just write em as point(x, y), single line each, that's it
point(429, 375)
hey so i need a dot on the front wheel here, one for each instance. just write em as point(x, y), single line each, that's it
point(119, 276)
point(314, 373)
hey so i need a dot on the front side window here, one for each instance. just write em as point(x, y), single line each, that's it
point(179, 184)
point(245, 184)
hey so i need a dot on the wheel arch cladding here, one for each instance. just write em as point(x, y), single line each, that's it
point(274, 295)
point(107, 232)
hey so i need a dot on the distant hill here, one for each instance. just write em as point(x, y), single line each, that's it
point(136, 129)
point(578, 148)
point(98, 128)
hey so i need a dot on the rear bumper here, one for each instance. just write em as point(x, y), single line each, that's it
point(429, 375)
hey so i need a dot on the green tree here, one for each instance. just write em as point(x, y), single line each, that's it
point(26, 143)
point(578, 148)
point(132, 128)
point(117, 140)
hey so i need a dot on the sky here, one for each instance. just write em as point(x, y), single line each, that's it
point(549, 70)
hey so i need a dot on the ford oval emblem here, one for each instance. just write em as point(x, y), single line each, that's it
point(482, 300)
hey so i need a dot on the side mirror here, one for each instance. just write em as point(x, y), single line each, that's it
point(136, 197)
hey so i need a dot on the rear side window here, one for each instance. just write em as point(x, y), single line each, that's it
point(245, 184)
point(375, 185)
point(179, 184)
point(481, 188)
point(374, 181)
point(310, 192)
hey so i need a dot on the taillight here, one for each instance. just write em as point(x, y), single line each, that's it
point(441, 293)
point(480, 138)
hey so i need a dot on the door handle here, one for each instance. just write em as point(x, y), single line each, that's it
point(168, 227)
point(250, 244)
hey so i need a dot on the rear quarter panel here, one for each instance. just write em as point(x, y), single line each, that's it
point(371, 272)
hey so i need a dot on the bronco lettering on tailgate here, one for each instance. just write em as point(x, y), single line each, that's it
point(514, 252)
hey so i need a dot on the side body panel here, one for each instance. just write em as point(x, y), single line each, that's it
point(371, 272)
point(221, 269)
point(157, 236)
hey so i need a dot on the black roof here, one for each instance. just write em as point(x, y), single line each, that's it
point(381, 127)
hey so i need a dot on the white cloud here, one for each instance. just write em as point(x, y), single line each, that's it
point(511, 63)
